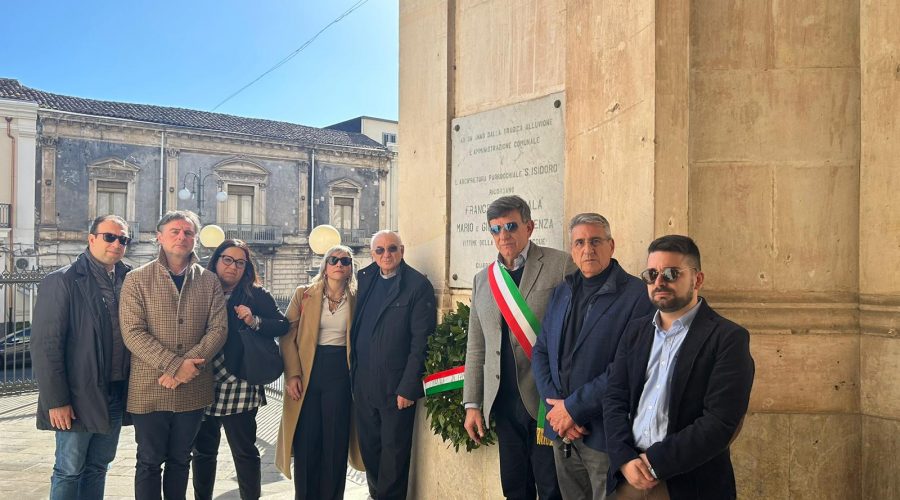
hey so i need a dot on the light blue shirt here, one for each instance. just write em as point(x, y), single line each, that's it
point(652, 419)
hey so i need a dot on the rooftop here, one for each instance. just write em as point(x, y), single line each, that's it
point(187, 118)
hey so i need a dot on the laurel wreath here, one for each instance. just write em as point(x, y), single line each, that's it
point(447, 349)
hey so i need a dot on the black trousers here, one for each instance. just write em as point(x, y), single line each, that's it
point(523, 462)
point(164, 437)
point(385, 440)
point(322, 439)
point(240, 430)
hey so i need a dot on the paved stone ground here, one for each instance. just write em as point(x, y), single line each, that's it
point(26, 458)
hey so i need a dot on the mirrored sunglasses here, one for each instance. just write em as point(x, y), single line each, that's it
point(669, 274)
point(509, 226)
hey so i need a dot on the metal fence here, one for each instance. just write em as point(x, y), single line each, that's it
point(18, 293)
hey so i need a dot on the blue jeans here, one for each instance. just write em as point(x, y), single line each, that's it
point(82, 458)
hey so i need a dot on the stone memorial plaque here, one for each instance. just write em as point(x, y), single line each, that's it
point(517, 149)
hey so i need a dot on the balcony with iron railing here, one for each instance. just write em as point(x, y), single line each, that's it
point(355, 238)
point(4, 216)
point(254, 234)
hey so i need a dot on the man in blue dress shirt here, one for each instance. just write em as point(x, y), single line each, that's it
point(678, 388)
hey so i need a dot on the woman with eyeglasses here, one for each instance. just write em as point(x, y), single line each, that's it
point(316, 355)
point(250, 307)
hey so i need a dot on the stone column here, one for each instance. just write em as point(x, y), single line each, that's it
point(303, 203)
point(773, 204)
point(48, 180)
point(173, 181)
point(879, 248)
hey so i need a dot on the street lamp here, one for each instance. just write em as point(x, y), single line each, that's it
point(196, 189)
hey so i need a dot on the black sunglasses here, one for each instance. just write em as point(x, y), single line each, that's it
point(390, 249)
point(669, 274)
point(231, 261)
point(333, 260)
point(110, 237)
point(509, 226)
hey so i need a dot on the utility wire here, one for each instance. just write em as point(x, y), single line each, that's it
point(290, 56)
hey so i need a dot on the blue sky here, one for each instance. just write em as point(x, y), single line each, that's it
point(195, 53)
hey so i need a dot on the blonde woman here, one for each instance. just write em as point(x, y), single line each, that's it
point(317, 381)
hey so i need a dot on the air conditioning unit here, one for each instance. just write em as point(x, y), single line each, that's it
point(25, 263)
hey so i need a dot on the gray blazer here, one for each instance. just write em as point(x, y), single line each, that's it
point(544, 269)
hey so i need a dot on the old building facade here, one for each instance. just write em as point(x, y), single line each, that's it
point(279, 179)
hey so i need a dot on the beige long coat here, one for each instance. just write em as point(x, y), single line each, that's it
point(298, 348)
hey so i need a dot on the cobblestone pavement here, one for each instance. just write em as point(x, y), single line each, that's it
point(26, 458)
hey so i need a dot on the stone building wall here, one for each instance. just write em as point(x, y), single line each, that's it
point(74, 146)
point(766, 131)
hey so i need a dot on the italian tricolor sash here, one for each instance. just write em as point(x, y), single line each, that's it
point(521, 321)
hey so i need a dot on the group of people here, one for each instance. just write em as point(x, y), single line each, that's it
point(162, 347)
point(601, 384)
point(598, 382)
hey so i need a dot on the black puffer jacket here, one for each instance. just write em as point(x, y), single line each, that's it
point(71, 346)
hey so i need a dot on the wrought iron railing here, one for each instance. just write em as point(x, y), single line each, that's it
point(355, 237)
point(254, 233)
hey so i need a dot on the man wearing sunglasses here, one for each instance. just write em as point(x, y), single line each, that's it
point(81, 362)
point(395, 313)
point(581, 329)
point(678, 388)
point(173, 322)
point(508, 297)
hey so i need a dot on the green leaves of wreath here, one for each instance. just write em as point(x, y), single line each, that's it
point(446, 350)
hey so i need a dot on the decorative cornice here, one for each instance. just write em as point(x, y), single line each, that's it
point(794, 313)
point(48, 141)
point(879, 315)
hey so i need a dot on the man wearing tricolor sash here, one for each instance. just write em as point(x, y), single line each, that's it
point(509, 298)
point(581, 330)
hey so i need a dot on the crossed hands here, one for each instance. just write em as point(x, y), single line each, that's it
point(637, 473)
point(189, 369)
point(561, 421)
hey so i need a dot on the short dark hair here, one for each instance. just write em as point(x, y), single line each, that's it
point(103, 218)
point(506, 204)
point(677, 243)
point(249, 279)
point(179, 215)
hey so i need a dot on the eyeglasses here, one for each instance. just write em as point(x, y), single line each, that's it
point(669, 274)
point(390, 249)
point(333, 260)
point(110, 237)
point(509, 226)
point(593, 242)
point(230, 261)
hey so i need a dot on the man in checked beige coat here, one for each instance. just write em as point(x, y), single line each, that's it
point(173, 319)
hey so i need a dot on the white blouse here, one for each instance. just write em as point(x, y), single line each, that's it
point(333, 325)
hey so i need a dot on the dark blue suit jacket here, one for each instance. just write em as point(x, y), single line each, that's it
point(708, 397)
point(622, 299)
